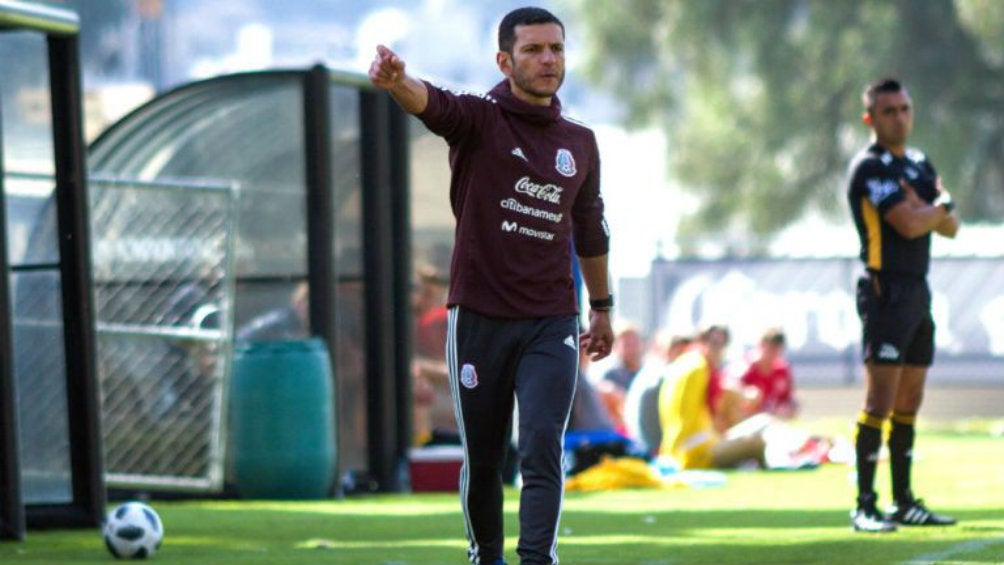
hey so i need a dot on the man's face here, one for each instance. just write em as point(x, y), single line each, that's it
point(718, 342)
point(536, 67)
point(771, 351)
point(428, 296)
point(892, 118)
point(630, 346)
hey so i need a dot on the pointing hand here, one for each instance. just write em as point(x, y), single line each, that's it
point(387, 68)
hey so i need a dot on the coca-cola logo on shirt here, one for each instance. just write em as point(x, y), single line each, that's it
point(546, 192)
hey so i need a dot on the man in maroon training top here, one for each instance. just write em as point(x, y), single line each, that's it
point(525, 185)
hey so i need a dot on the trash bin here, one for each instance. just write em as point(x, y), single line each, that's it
point(282, 430)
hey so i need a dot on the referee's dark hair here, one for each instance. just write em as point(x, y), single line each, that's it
point(523, 17)
point(881, 86)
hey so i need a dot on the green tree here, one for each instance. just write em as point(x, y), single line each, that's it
point(761, 101)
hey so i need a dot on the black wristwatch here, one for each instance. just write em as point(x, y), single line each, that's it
point(602, 304)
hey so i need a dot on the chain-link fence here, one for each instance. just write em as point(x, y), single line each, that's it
point(162, 256)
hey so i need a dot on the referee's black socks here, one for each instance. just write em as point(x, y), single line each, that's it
point(901, 455)
point(866, 447)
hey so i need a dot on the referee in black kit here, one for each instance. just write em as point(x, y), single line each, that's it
point(525, 181)
point(897, 201)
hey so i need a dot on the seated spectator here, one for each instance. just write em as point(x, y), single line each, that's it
point(765, 386)
point(641, 404)
point(434, 421)
point(591, 435)
point(588, 412)
point(612, 388)
point(629, 350)
point(689, 434)
point(769, 378)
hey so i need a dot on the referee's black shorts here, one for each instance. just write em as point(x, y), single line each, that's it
point(897, 327)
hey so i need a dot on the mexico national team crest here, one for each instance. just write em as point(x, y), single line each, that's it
point(565, 163)
point(468, 376)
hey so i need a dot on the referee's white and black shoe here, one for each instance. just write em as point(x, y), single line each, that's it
point(867, 518)
point(912, 512)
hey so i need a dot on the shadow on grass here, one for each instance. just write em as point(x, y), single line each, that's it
point(772, 536)
point(739, 519)
point(389, 531)
point(653, 538)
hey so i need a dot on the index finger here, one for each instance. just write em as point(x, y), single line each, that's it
point(385, 53)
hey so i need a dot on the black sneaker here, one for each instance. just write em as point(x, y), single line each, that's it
point(912, 512)
point(867, 518)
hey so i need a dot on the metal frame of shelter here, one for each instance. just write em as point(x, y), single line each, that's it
point(86, 507)
point(382, 147)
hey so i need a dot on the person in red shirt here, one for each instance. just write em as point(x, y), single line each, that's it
point(769, 378)
point(432, 409)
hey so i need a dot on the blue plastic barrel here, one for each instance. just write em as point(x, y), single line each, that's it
point(282, 426)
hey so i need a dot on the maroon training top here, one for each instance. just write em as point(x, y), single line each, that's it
point(525, 180)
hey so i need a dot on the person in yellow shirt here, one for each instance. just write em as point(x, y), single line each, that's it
point(689, 434)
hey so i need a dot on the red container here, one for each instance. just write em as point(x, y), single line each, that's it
point(435, 469)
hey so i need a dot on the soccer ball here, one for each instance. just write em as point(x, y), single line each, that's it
point(133, 530)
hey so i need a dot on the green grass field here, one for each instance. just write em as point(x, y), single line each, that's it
point(797, 517)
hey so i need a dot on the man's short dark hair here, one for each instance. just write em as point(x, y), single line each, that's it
point(523, 17)
point(881, 86)
point(706, 335)
point(427, 274)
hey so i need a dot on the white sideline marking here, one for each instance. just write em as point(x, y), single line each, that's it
point(964, 547)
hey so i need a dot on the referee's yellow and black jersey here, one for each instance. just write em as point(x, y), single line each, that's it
point(873, 189)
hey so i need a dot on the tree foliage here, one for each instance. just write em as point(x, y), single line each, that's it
point(761, 98)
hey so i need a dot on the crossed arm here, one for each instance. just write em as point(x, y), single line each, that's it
point(913, 217)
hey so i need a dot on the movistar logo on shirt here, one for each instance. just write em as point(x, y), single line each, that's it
point(514, 227)
point(879, 189)
point(546, 192)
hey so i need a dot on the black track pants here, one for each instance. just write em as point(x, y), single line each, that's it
point(493, 361)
